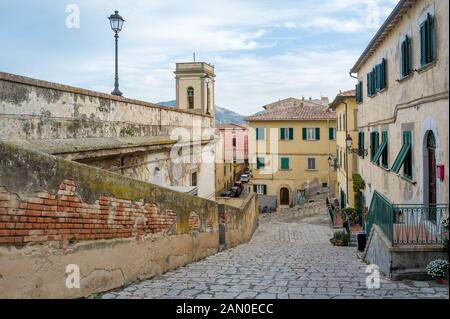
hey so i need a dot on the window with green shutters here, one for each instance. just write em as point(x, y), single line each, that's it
point(331, 133)
point(361, 144)
point(427, 50)
point(371, 90)
point(260, 133)
point(285, 163)
point(311, 134)
point(374, 143)
point(359, 95)
point(404, 157)
point(381, 150)
point(381, 76)
point(406, 65)
point(260, 163)
point(260, 189)
point(286, 134)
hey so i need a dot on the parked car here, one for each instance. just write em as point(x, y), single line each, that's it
point(235, 191)
point(245, 178)
point(239, 184)
point(226, 194)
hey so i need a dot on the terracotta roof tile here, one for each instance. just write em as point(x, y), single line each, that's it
point(296, 113)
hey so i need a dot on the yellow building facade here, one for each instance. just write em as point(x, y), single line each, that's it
point(346, 162)
point(290, 151)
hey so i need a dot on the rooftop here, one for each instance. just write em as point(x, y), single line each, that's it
point(341, 96)
point(296, 113)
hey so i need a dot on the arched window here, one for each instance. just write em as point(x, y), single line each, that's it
point(190, 95)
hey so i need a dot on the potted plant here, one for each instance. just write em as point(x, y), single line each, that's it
point(340, 238)
point(438, 269)
point(445, 234)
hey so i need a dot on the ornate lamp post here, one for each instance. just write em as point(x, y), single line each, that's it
point(116, 25)
point(349, 144)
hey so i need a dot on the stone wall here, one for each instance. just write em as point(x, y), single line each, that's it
point(118, 230)
point(403, 261)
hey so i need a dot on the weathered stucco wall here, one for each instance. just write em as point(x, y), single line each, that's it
point(417, 103)
point(55, 212)
point(80, 124)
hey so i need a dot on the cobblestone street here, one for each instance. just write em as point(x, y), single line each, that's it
point(290, 256)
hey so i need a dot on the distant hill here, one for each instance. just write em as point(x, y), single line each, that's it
point(223, 115)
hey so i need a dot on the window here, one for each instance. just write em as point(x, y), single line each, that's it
point(286, 134)
point(371, 83)
point(382, 151)
point(260, 163)
point(361, 144)
point(311, 163)
point(194, 179)
point(311, 134)
point(190, 95)
point(404, 157)
point(380, 76)
point(224, 170)
point(260, 189)
point(234, 142)
point(331, 133)
point(285, 163)
point(374, 143)
point(359, 94)
point(427, 53)
point(260, 133)
point(406, 65)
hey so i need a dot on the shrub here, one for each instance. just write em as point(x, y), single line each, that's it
point(341, 236)
point(438, 269)
point(358, 183)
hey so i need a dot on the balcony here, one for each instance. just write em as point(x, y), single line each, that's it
point(408, 224)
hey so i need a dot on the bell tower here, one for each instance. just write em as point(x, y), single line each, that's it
point(195, 82)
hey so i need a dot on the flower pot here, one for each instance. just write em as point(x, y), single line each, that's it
point(442, 281)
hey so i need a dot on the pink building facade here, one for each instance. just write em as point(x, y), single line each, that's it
point(235, 142)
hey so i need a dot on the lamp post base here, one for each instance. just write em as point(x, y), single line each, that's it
point(116, 92)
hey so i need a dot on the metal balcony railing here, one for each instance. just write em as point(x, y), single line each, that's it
point(408, 224)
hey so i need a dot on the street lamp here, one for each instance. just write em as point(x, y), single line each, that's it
point(349, 144)
point(116, 22)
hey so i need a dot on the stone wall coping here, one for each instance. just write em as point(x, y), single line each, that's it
point(74, 90)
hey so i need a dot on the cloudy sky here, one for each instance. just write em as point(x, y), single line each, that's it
point(263, 50)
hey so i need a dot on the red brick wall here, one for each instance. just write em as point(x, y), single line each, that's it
point(66, 218)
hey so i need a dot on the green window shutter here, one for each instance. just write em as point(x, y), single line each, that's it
point(284, 163)
point(330, 133)
point(423, 43)
point(403, 58)
point(378, 75)
point(257, 133)
point(368, 84)
point(265, 189)
point(255, 188)
point(317, 133)
point(379, 152)
point(383, 74)
point(362, 144)
point(430, 44)
point(406, 147)
point(384, 155)
point(282, 133)
point(291, 133)
point(304, 134)
point(260, 163)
